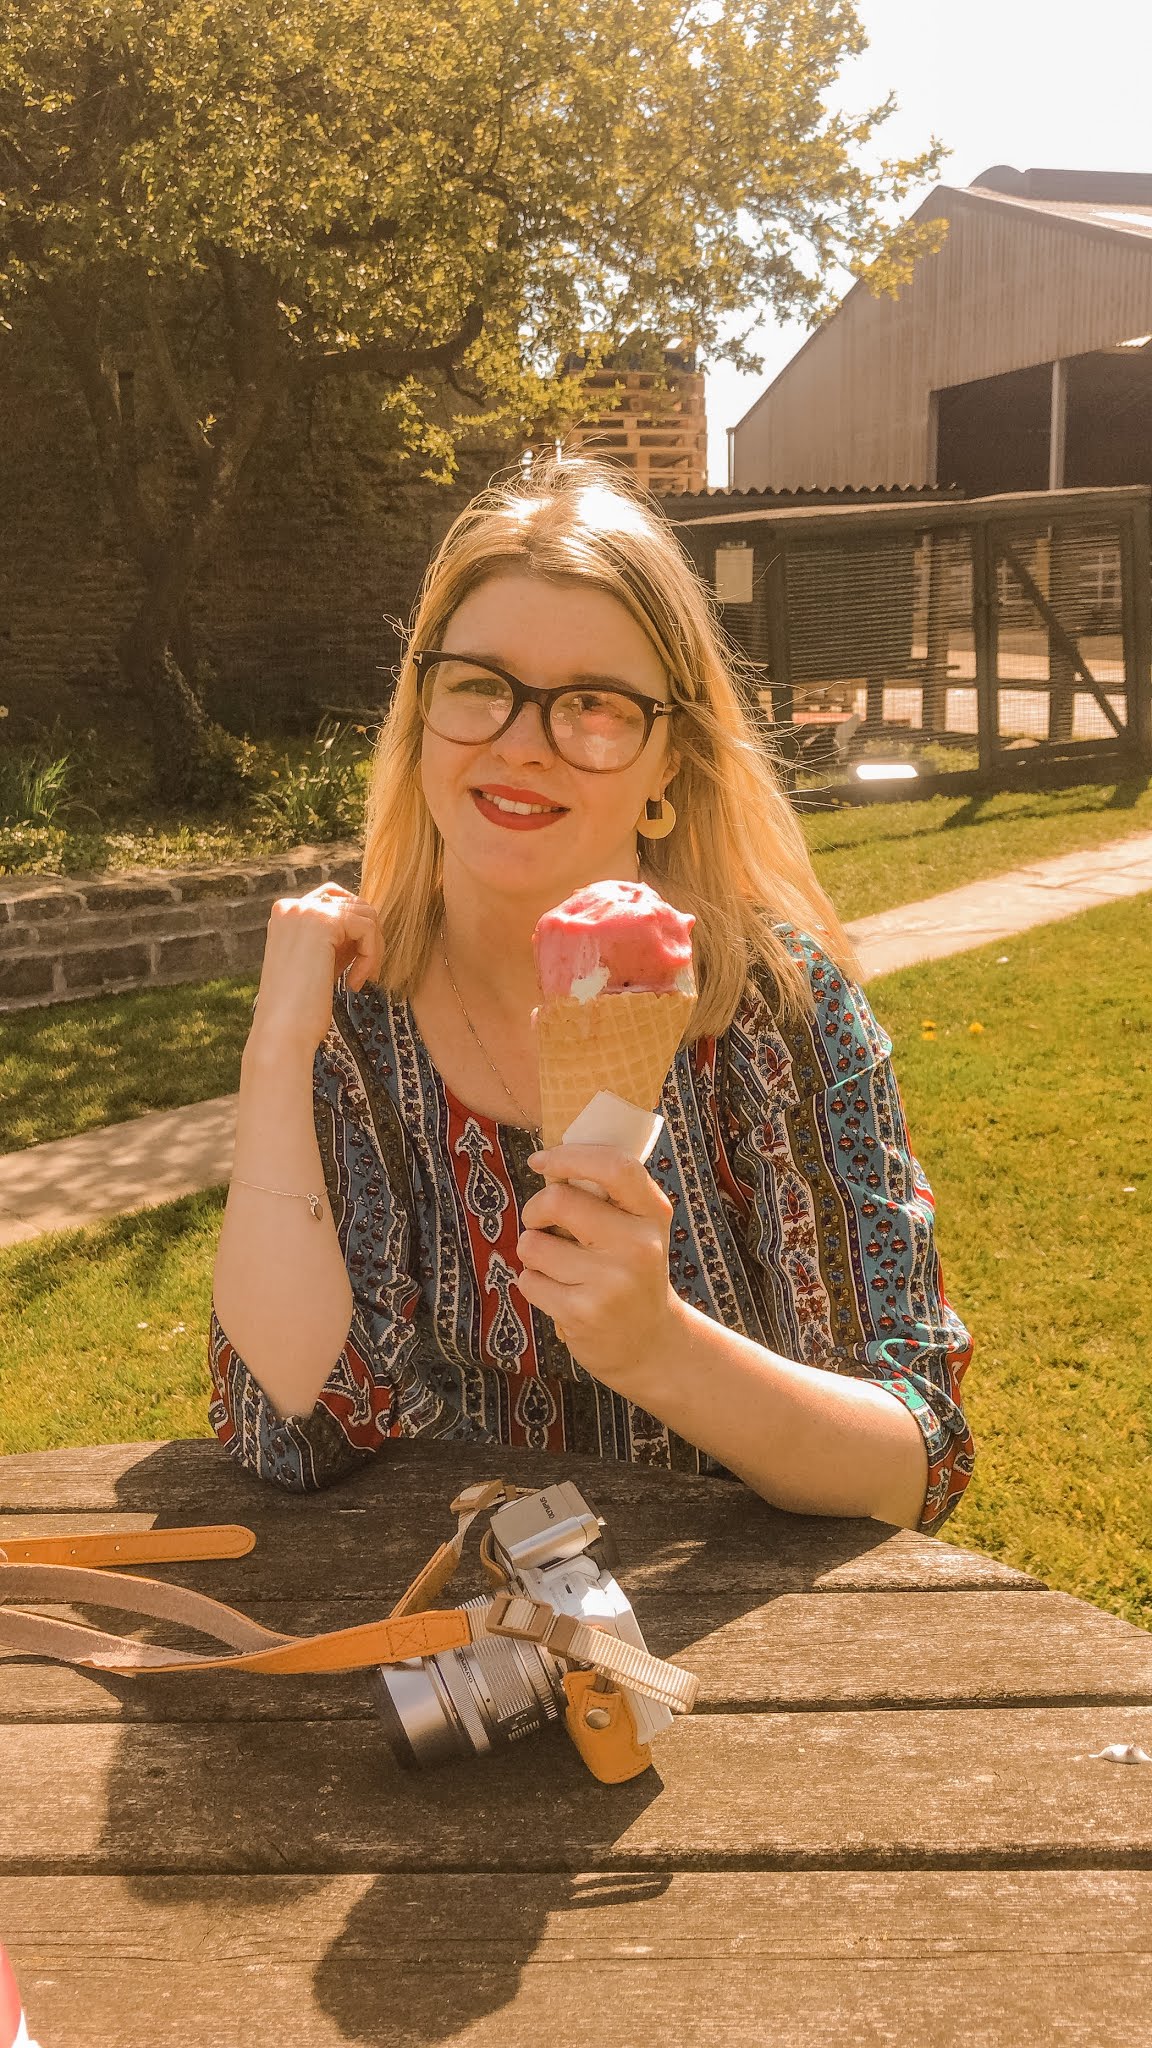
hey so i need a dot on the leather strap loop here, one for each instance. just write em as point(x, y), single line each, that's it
point(133, 1546)
point(34, 1568)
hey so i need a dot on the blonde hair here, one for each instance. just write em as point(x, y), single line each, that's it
point(737, 858)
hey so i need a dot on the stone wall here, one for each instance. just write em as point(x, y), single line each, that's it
point(60, 939)
point(326, 544)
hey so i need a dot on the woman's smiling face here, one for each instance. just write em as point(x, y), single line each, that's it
point(582, 826)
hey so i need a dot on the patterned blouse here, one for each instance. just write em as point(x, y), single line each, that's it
point(801, 1218)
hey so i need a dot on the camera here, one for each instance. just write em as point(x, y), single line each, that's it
point(553, 1553)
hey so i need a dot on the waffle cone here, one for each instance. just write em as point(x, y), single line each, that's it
point(625, 1043)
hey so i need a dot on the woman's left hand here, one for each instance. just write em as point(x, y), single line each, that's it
point(606, 1283)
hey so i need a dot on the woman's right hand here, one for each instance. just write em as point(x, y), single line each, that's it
point(313, 940)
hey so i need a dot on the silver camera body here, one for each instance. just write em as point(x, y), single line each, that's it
point(553, 1547)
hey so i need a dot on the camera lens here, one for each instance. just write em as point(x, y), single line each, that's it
point(486, 1695)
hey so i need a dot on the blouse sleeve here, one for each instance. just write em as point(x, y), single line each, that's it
point(852, 1229)
point(374, 1390)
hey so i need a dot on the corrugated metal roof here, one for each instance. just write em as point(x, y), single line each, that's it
point(817, 494)
point(1119, 220)
point(1089, 503)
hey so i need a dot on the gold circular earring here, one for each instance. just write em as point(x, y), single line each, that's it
point(657, 819)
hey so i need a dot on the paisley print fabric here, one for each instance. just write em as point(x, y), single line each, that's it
point(800, 1217)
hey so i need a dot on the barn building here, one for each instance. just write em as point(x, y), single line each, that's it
point(1017, 358)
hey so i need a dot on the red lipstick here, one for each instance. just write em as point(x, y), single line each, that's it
point(516, 821)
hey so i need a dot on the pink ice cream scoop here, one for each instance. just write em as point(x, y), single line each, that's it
point(611, 938)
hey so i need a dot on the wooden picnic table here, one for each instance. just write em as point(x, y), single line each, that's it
point(883, 1823)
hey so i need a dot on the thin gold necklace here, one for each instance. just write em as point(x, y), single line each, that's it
point(521, 1112)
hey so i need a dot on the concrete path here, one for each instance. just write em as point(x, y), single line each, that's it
point(153, 1159)
point(1002, 905)
point(174, 1152)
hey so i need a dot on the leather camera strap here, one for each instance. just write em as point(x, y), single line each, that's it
point(132, 1546)
point(67, 1569)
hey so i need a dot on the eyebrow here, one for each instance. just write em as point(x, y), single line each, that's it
point(583, 680)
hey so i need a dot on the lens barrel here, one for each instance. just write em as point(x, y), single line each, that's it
point(486, 1695)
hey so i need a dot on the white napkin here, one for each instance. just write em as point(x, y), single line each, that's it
point(609, 1120)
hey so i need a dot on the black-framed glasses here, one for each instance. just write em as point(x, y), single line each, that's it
point(595, 728)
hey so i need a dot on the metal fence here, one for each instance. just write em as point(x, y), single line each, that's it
point(903, 649)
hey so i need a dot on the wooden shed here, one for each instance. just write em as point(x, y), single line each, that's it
point(1017, 358)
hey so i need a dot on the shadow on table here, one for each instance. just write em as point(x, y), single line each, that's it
point(275, 1807)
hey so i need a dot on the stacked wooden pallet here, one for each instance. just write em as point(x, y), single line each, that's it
point(652, 423)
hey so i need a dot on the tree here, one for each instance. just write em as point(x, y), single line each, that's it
point(257, 198)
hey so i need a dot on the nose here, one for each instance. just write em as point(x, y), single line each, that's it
point(525, 740)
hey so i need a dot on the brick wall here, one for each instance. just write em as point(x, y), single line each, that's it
point(327, 543)
point(60, 939)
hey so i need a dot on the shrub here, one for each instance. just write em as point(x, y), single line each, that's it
point(36, 784)
point(322, 796)
point(227, 771)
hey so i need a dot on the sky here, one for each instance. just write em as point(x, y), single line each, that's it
point(1026, 82)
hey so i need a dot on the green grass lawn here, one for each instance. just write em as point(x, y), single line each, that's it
point(104, 1330)
point(1031, 1132)
point(1035, 1135)
point(875, 856)
point(79, 1065)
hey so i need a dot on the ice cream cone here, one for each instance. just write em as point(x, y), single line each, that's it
point(624, 1043)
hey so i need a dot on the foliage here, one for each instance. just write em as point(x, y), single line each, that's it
point(252, 200)
point(321, 796)
point(37, 783)
point(115, 822)
point(86, 847)
point(363, 175)
point(32, 790)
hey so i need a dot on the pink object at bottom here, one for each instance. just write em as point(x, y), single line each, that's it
point(13, 2026)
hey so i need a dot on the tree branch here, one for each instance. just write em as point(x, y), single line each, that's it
point(181, 411)
point(389, 361)
point(77, 327)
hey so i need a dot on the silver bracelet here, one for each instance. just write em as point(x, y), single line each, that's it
point(313, 1201)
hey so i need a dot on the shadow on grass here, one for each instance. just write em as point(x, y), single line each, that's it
point(138, 1250)
point(1127, 794)
point(970, 811)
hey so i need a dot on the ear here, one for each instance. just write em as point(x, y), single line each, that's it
point(671, 769)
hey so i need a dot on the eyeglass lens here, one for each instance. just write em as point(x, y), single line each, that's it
point(598, 729)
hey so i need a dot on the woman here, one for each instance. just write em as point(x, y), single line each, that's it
point(765, 1299)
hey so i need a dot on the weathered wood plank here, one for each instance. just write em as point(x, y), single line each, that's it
point(799, 1650)
point(673, 1531)
point(986, 1787)
point(324, 1551)
point(951, 1959)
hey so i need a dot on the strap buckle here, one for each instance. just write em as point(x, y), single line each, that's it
point(530, 1621)
point(589, 1642)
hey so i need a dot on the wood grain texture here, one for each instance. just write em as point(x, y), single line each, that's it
point(674, 1532)
point(984, 1787)
point(798, 1650)
point(983, 1959)
point(871, 1833)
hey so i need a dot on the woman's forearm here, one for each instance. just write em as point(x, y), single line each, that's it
point(280, 1287)
point(812, 1441)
